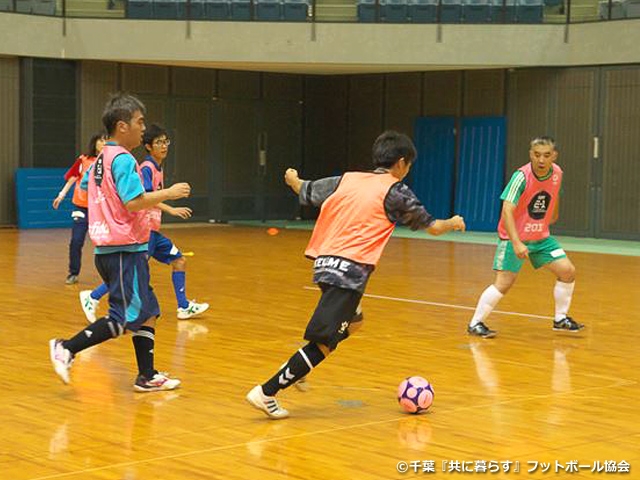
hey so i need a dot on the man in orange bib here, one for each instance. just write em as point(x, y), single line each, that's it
point(359, 211)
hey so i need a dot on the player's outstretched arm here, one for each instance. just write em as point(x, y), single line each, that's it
point(151, 199)
point(63, 193)
point(311, 192)
point(182, 212)
point(443, 226)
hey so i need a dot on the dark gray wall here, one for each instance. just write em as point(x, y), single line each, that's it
point(577, 106)
point(48, 112)
point(619, 196)
point(324, 125)
point(9, 135)
point(326, 122)
point(97, 81)
point(560, 103)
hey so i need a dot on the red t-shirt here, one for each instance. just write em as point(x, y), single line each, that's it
point(78, 170)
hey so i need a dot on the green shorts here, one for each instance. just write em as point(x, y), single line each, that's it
point(540, 253)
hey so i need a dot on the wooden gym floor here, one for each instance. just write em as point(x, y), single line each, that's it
point(530, 395)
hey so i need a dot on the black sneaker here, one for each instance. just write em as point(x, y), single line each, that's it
point(567, 324)
point(160, 381)
point(481, 330)
point(71, 279)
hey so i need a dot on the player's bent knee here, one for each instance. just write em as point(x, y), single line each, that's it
point(504, 280)
point(179, 263)
point(115, 327)
point(503, 287)
point(151, 321)
point(324, 349)
point(568, 275)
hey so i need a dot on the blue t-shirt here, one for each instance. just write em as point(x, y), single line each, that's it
point(128, 187)
point(147, 174)
point(126, 178)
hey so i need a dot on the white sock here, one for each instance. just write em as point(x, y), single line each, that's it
point(488, 301)
point(563, 292)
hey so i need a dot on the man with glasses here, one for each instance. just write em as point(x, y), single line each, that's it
point(156, 142)
point(530, 204)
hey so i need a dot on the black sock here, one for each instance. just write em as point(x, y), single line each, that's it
point(299, 365)
point(99, 331)
point(143, 342)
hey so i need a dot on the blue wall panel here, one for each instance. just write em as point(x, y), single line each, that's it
point(480, 174)
point(432, 174)
point(35, 190)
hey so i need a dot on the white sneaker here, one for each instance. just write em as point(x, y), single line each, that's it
point(268, 405)
point(89, 305)
point(192, 310)
point(159, 382)
point(61, 358)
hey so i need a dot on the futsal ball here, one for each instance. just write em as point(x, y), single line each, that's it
point(273, 231)
point(415, 394)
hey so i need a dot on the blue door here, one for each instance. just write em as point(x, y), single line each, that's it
point(480, 173)
point(433, 173)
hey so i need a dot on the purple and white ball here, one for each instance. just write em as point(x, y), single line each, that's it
point(415, 395)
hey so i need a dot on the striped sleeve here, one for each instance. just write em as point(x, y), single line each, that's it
point(317, 191)
point(514, 188)
point(402, 206)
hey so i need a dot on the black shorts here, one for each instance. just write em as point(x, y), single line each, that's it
point(333, 315)
point(131, 298)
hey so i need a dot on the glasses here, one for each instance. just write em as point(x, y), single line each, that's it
point(162, 143)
